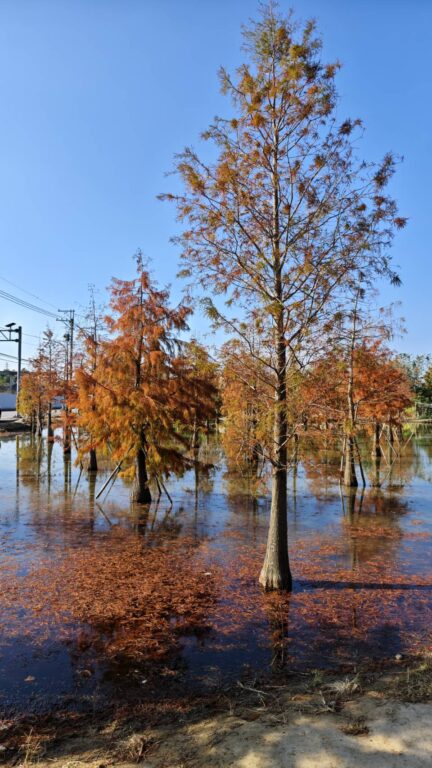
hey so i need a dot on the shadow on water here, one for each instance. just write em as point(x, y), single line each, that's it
point(360, 560)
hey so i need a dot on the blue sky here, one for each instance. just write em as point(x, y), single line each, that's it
point(98, 95)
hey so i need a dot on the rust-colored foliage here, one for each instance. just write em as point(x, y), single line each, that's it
point(42, 383)
point(247, 391)
point(125, 597)
point(381, 389)
point(135, 600)
point(283, 219)
point(142, 394)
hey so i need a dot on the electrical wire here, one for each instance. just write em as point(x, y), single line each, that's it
point(12, 357)
point(26, 304)
point(23, 290)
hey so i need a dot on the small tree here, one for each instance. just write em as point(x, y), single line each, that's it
point(357, 384)
point(30, 400)
point(85, 398)
point(41, 385)
point(203, 373)
point(147, 394)
point(247, 396)
point(49, 363)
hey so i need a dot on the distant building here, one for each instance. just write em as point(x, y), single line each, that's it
point(7, 401)
point(8, 380)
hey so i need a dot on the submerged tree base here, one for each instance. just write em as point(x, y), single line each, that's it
point(142, 496)
point(271, 579)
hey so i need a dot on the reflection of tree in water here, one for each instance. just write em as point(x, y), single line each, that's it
point(247, 508)
point(156, 523)
point(276, 608)
point(371, 525)
point(204, 478)
point(244, 485)
point(423, 451)
point(396, 467)
point(371, 533)
point(321, 463)
point(126, 600)
point(29, 456)
point(55, 516)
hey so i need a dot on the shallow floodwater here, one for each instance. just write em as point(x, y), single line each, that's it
point(361, 566)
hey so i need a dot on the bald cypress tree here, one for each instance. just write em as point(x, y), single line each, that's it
point(283, 217)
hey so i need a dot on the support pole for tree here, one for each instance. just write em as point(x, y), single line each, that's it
point(117, 469)
point(360, 463)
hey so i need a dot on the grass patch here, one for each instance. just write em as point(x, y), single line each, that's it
point(355, 727)
point(415, 685)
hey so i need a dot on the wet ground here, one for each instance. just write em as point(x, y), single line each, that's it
point(361, 567)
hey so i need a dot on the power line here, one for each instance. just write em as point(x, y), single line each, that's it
point(27, 292)
point(9, 358)
point(6, 354)
point(26, 304)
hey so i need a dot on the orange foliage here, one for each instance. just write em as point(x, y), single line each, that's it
point(144, 392)
point(381, 387)
point(246, 407)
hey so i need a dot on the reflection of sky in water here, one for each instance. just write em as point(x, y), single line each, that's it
point(46, 507)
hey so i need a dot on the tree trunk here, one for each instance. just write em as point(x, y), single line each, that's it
point(93, 465)
point(67, 441)
point(39, 428)
point(275, 573)
point(376, 465)
point(376, 448)
point(141, 494)
point(49, 423)
point(350, 499)
point(349, 475)
point(49, 462)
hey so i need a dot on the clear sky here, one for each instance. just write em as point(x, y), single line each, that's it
point(97, 96)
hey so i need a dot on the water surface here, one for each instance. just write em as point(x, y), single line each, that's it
point(361, 566)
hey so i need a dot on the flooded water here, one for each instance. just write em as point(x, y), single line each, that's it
point(361, 565)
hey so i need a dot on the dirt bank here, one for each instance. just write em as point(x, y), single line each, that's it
point(398, 735)
point(315, 724)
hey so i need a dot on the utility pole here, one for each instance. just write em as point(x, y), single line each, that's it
point(18, 381)
point(69, 321)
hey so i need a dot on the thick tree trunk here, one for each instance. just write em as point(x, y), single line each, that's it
point(275, 573)
point(92, 465)
point(141, 493)
point(349, 474)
